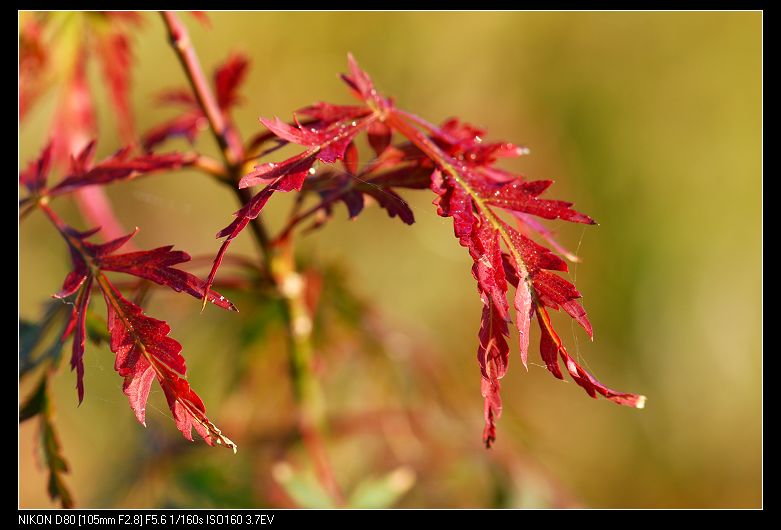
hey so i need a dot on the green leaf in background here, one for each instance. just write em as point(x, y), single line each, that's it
point(35, 403)
point(211, 485)
point(32, 336)
point(97, 330)
point(383, 492)
point(302, 487)
point(38, 404)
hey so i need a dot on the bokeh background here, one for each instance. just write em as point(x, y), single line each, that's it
point(650, 121)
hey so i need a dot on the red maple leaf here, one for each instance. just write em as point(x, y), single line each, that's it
point(228, 77)
point(144, 352)
point(459, 166)
point(103, 35)
point(55, 49)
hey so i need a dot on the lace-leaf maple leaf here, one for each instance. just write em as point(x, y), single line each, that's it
point(142, 346)
point(120, 166)
point(54, 51)
point(113, 49)
point(326, 140)
point(375, 182)
point(228, 77)
point(456, 162)
point(35, 174)
point(145, 353)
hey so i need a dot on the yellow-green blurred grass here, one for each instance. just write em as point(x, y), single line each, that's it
point(651, 122)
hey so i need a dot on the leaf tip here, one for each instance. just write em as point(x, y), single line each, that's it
point(221, 439)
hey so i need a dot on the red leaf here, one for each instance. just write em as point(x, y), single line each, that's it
point(250, 211)
point(187, 126)
point(202, 17)
point(74, 120)
point(144, 351)
point(526, 221)
point(390, 201)
point(113, 50)
point(551, 345)
point(358, 80)
point(178, 96)
point(466, 142)
point(118, 167)
point(34, 61)
point(374, 181)
point(523, 314)
point(156, 265)
point(329, 141)
point(80, 316)
point(522, 197)
point(550, 289)
point(493, 357)
point(326, 142)
point(328, 113)
point(293, 170)
point(103, 35)
point(34, 176)
point(351, 159)
point(455, 202)
point(152, 347)
point(468, 188)
point(379, 137)
point(459, 165)
point(227, 79)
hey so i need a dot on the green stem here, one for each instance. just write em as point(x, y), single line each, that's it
point(307, 390)
point(278, 260)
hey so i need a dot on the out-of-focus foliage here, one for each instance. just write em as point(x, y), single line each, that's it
point(652, 120)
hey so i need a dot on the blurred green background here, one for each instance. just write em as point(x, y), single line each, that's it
point(650, 122)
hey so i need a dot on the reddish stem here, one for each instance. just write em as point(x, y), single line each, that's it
point(280, 264)
point(224, 133)
point(180, 40)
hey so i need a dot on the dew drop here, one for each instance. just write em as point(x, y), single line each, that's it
point(354, 123)
point(312, 171)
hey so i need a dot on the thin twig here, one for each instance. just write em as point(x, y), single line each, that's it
point(180, 40)
point(278, 259)
point(223, 131)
